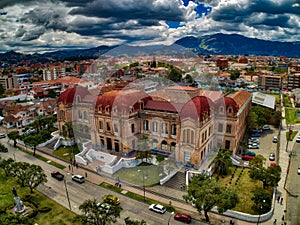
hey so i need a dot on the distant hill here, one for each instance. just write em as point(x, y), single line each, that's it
point(234, 44)
point(220, 44)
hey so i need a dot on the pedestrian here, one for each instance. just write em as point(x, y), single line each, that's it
point(274, 223)
point(278, 198)
point(76, 165)
point(281, 200)
point(282, 217)
point(230, 222)
point(85, 174)
point(69, 167)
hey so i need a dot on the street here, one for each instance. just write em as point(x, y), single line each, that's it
point(78, 193)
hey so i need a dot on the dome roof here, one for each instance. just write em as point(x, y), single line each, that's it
point(67, 97)
point(197, 108)
point(121, 100)
point(228, 102)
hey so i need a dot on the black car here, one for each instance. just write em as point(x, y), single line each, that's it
point(57, 175)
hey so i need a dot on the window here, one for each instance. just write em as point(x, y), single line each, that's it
point(173, 129)
point(164, 128)
point(116, 128)
point(132, 128)
point(79, 114)
point(154, 144)
point(155, 125)
point(220, 127)
point(221, 109)
point(108, 126)
point(187, 156)
point(227, 145)
point(85, 115)
point(192, 137)
point(101, 125)
point(146, 125)
point(230, 110)
point(228, 128)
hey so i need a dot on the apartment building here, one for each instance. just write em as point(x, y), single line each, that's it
point(269, 82)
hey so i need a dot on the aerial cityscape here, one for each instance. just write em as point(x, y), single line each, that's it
point(150, 112)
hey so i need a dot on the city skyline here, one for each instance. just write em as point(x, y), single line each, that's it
point(31, 26)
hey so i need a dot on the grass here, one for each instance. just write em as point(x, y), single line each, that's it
point(132, 175)
point(57, 215)
point(66, 152)
point(290, 116)
point(287, 101)
point(137, 197)
point(290, 137)
point(245, 188)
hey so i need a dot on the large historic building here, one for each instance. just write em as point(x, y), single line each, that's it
point(122, 122)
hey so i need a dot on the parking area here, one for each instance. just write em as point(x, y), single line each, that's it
point(266, 144)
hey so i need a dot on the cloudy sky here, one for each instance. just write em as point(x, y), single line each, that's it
point(48, 25)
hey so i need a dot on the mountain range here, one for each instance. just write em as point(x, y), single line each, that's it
point(216, 44)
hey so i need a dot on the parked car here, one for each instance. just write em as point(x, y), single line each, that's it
point(2, 135)
point(298, 139)
point(253, 140)
point(257, 134)
point(105, 206)
point(253, 146)
point(111, 199)
point(298, 171)
point(247, 157)
point(157, 208)
point(78, 178)
point(183, 217)
point(275, 139)
point(57, 175)
point(247, 152)
point(266, 128)
point(272, 156)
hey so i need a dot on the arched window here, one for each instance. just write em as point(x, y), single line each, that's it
point(221, 109)
point(79, 114)
point(78, 99)
point(173, 146)
point(192, 137)
point(154, 144)
point(85, 115)
point(164, 145)
point(230, 109)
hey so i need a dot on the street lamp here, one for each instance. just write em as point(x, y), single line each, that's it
point(67, 193)
point(170, 217)
point(260, 211)
point(143, 182)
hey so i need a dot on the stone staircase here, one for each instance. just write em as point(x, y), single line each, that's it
point(177, 181)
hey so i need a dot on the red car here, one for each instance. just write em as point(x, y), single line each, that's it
point(183, 217)
point(247, 157)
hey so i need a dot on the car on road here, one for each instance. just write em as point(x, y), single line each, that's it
point(57, 175)
point(183, 217)
point(272, 156)
point(247, 157)
point(105, 206)
point(253, 146)
point(2, 135)
point(298, 171)
point(78, 178)
point(266, 128)
point(253, 140)
point(157, 208)
point(111, 199)
point(275, 139)
point(247, 152)
point(257, 134)
point(298, 139)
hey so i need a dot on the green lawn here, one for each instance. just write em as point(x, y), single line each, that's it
point(245, 188)
point(65, 152)
point(132, 175)
point(58, 214)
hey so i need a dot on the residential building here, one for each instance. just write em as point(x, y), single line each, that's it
point(293, 81)
point(269, 82)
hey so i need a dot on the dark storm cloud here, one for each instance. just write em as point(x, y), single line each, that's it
point(135, 9)
point(33, 34)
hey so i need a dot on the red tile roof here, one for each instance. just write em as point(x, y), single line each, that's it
point(197, 108)
point(67, 97)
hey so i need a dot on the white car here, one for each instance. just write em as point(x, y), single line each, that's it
point(78, 178)
point(298, 171)
point(2, 135)
point(298, 139)
point(275, 139)
point(272, 157)
point(253, 146)
point(157, 208)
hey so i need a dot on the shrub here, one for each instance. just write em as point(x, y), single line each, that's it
point(44, 209)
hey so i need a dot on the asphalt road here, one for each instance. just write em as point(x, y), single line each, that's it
point(78, 193)
point(293, 184)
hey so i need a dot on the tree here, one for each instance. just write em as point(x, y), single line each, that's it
point(35, 177)
point(6, 165)
point(234, 74)
point(93, 214)
point(204, 193)
point(14, 135)
point(11, 219)
point(222, 162)
point(252, 120)
point(51, 93)
point(33, 142)
point(175, 74)
point(18, 170)
point(268, 176)
point(128, 221)
point(262, 201)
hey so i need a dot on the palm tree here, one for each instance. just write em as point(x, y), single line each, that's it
point(222, 162)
